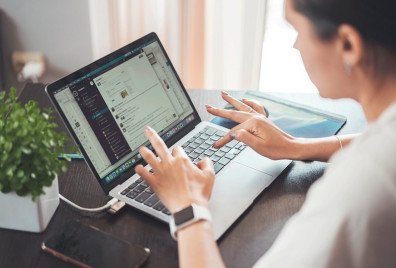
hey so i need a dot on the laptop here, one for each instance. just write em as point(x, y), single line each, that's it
point(105, 106)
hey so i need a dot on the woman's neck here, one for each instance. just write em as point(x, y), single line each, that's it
point(377, 97)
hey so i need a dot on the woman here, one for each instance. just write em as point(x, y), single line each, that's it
point(349, 218)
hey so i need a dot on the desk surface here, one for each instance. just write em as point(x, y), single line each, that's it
point(241, 246)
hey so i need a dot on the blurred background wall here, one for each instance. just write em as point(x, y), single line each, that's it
point(59, 29)
point(222, 44)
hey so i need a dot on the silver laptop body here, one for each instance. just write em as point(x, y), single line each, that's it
point(105, 106)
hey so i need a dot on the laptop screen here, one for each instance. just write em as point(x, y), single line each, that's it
point(108, 107)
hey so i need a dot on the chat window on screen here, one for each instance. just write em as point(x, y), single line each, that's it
point(135, 98)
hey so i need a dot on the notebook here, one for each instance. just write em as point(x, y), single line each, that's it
point(105, 106)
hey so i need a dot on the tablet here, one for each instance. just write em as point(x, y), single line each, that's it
point(294, 118)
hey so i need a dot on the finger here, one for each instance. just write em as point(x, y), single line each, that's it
point(256, 106)
point(179, 151)
point(224, 140)
point(206, 165)
point(230, 135)
point(236, 103)
point(247, 138)
point(236, 116)
point(145, 174)
point(158, 144)
point(149, 157)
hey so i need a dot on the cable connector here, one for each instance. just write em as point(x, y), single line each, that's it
point(113, 206)
point(117, 206)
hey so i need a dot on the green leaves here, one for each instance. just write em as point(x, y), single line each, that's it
point(29, 146)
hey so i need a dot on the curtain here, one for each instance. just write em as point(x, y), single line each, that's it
point(213, 44)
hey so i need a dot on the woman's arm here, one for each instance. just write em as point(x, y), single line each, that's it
point(179, 183)
point(259, 133)
point(197, 246)
point(320, 149)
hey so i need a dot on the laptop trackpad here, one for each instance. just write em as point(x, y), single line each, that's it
point(234, 190)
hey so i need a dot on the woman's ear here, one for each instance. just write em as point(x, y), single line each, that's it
point(349, 45)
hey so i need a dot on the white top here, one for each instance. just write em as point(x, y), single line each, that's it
point(349, 216)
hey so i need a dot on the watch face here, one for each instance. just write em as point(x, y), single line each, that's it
point(184, 215)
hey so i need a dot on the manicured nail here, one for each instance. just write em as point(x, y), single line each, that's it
point(224, 93)
point(208, 106)
point(232, 135)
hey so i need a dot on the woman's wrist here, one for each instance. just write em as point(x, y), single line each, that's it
point(319, 149)
point(179, 205)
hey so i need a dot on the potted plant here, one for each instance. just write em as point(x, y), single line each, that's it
point(29, 146)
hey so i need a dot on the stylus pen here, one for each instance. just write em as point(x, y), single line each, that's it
point(72, 156)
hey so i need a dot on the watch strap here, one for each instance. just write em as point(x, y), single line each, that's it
point(198, 213)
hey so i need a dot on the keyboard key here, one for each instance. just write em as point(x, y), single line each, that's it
point(204, 130)
point(139, 180)
point(142, 197)
point(199, 140)
point(189, 149)
point(139, 189)
point(199, 150)
point(218, 167)
point(194, 145)
point(204, 146)
point(220, 153)
point(133, 185)
point(215, 158)
point(232, 143)
point(191, 140)
point(149, 190)
point(224, 161)
point(220, 133)
point(159, 206)
point(132, 194)
point(209, 142)
point(197, 135)
point(215, 138)
point(185, 145)
point(195, 161)
point(152, 201)
point(193, 155)
point(125, 191)
point(204, 136)
point(230, 155)
point(234, 151)
point(145, 184)
point(166, 211)
point(210, 131)
point(225, 149)
point(209, 152)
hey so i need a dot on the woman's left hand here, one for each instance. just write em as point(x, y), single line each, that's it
point(176, 180)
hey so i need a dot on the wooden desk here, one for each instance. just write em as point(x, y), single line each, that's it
point(241, 246)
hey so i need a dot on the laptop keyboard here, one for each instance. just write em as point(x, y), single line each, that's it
point(197, 148)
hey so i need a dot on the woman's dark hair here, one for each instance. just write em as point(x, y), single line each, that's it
point(375, 20)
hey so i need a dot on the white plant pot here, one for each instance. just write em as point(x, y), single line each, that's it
point(21, 213)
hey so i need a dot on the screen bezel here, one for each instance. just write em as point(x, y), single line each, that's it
point(53, 87)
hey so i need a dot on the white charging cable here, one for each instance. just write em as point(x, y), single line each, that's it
point(108, 206)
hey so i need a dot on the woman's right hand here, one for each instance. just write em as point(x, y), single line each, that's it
point(255, 130)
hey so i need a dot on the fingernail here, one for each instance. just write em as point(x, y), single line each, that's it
point(147, 129)
point(224, 93)
point(232, 135)
point(208, 106)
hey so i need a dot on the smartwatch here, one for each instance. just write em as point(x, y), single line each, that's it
point(187, 216)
